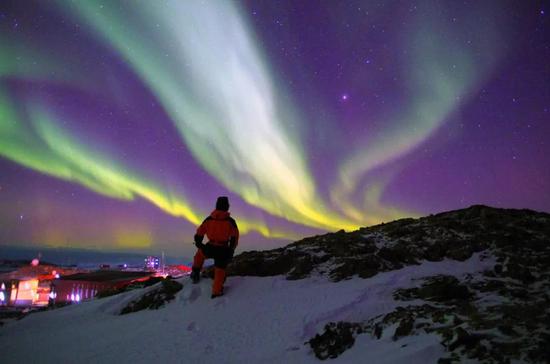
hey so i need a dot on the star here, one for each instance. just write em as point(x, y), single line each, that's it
point(344, 97)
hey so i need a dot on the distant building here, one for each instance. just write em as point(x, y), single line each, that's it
point(29, 284)
point(83, 286)
point(152, 263)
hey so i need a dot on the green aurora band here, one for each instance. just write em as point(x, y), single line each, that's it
point(221, 98)
point(45, 147)
point(444, 74)
point(220, 94)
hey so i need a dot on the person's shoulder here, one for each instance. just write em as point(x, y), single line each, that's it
point(232, 221)
point(208, 218)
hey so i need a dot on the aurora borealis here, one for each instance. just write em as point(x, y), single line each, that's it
point(120, 122)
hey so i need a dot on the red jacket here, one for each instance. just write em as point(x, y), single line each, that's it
point(220, 229)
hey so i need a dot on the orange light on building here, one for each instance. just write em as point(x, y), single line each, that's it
point(13, 296)
point(27, 292)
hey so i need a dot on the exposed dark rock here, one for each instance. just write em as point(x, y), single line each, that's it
point(302, 269)
point(437, 289)
point(519, 272)
point(395, 256)
point(508, 330)
point(404, 329)
point(337, 338)
point(445, 361)
point(460, 253)
point(378, 329)
point(154, 299)
point(436, 253)
point(463, 338)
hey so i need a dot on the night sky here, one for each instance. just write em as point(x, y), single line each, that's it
point(121, 122)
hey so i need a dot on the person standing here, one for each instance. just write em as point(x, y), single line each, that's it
point(223, 237)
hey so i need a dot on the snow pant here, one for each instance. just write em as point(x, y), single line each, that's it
point(221, 255)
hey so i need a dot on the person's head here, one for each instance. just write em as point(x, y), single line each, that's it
point(222, 203)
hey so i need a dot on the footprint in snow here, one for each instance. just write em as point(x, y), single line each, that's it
point(195, 293)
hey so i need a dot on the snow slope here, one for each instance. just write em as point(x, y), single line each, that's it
point(259, 320)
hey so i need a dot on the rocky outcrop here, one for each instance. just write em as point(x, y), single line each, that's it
point(154, 299)
point(484, 321)
point(337, 338)
point(497, 316)
point(437, 289)
point(514, 236)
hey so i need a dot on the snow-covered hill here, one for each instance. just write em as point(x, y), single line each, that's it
point(470, 283)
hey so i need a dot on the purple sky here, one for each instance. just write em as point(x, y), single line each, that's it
point(120, 125)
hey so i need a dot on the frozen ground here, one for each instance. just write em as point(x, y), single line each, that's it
point(259, 320)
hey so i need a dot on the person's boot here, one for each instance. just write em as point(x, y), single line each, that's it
point(217, 286)
point(195, 275)
point(214, 295)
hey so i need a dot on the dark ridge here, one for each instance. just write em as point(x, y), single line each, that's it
point(365, 252)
